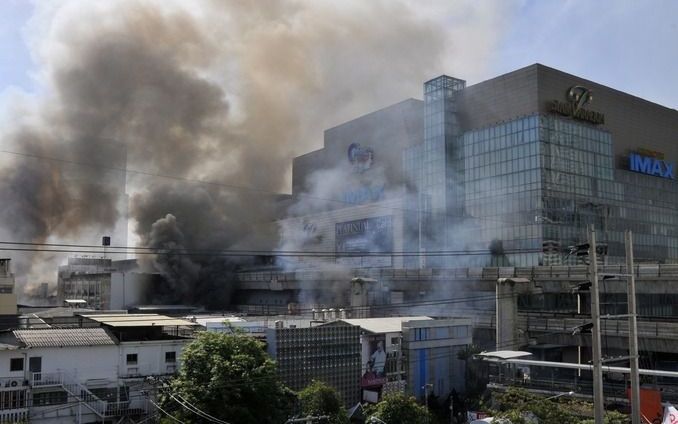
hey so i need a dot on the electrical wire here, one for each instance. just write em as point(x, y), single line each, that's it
point(43, 247)
point(166, 413)
point(196, 410)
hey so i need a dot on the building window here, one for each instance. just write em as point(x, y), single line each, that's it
point(12, 399)
point(421, 334)
point(460, 331)
point(132, 358)
point(170, 357)
point(50, 398)
point(16, 364)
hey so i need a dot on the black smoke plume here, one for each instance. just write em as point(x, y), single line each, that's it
point(226, 92)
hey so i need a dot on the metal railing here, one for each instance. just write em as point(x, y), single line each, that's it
point(581, 386)
point(646, 329)
point(14, 415)
point(102, 408)
point(491, 273)
point(39, 379)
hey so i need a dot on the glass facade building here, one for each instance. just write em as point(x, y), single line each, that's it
point(522, 189)
point(510, 171)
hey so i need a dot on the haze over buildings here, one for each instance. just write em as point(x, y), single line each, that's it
point(190, 98)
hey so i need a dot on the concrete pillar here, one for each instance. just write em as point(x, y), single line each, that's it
point(507, 292)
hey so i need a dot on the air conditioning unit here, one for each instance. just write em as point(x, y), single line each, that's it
point(15, 383)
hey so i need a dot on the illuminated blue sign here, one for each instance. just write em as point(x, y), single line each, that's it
point(650, 166)
point(363, 195)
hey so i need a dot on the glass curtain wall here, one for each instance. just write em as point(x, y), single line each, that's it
point(441, 194)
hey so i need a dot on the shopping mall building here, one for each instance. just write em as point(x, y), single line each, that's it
point(506, 172)
point(438, 201)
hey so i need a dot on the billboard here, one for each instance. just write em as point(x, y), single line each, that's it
point(374, 372)
point(368, 235)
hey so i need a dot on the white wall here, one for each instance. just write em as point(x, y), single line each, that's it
point(150, 356)
point(85, 362)
point(96, 362)
point(128, 289)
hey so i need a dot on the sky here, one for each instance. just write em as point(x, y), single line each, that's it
point(628, 45)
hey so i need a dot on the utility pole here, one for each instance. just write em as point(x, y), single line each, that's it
point(633, 330)
point(598, 400)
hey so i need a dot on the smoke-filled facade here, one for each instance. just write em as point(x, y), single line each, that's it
point(220, 92)
point(506, 172)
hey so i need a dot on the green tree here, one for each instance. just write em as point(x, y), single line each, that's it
point(320, 399)
point(230, 377)
point(398, 408)
point(611, 417)
point(518, 406)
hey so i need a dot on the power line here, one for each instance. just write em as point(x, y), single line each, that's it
point(166, 413)
point(196, 410)
point(75, 248)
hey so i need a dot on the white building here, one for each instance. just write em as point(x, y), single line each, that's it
point(7, 289)
point(103, 283)
point(414, 353)
point(94, 373)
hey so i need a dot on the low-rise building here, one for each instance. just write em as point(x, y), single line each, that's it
point(327, 353)
point(7, 289)
point(103, 283)
point(430, 349)
point(92, 373)
point(414, 354)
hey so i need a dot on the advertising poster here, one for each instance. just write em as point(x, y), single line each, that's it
point(374, 374)
point(368, 235)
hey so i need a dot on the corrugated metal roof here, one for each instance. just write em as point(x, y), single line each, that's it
point(138, 320)
point(57, 337)
point(383, 325)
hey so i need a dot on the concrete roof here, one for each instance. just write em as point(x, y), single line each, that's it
point(505, 354)
point(383, 325)
point(217, 319)
point(59, 337)
point(138, 320)
point(59, 311)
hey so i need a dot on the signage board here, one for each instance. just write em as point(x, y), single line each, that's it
point(368, 235)
point(363, 195)
point(360, 157)
point(374, 372)
point(576, 98)
point(651, 165)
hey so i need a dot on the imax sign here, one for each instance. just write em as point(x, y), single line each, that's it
point(650, 166)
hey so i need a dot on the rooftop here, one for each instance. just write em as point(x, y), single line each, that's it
point(383, 325)
point(60, 337)
point(505, 354)
point(139, 320)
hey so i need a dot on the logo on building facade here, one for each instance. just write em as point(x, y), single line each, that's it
point(651, 163)
point(578, 97)
point(360, 157)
